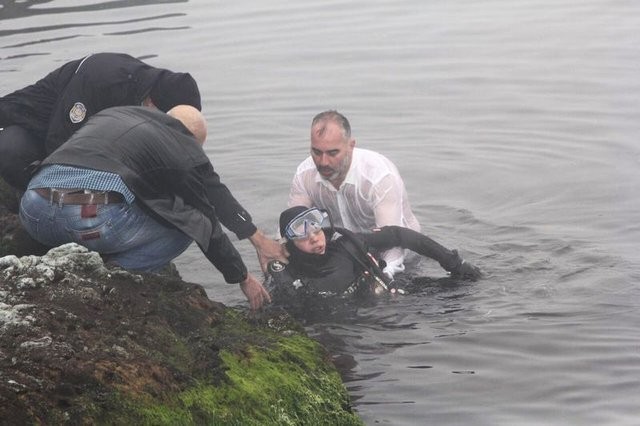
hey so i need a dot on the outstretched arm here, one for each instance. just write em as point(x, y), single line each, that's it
point(227, 260)
point(228, 210)
point(221, 206)
point(397, 236)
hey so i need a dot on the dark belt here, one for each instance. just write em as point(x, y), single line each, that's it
point(80, 197)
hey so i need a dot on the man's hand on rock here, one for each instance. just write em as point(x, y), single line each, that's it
point(255, 292)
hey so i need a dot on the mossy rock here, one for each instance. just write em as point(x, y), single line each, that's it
point(81, 343)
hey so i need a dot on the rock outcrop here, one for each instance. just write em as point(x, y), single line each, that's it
point(83, 343)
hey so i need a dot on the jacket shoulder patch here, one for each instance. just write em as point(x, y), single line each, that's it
point(77, 113)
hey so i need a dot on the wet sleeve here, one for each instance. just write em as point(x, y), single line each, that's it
point(397, 236)
point(298, 193)
point(387, 201)
point(219, 250)
point(387, 206)
point(228, 210)
point(224, 256)
point(32, 106)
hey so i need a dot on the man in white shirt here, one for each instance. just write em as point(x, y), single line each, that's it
point(361, 189)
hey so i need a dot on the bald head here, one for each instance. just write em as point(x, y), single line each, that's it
point(192, 119)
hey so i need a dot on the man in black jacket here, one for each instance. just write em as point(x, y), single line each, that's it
point(135, 185)
point(39, 118)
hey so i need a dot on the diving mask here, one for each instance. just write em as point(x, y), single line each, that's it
point(306, 223)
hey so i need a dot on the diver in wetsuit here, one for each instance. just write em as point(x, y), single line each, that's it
point(331, 261)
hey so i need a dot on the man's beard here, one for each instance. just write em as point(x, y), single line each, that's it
point(332, 177)
point(338, 174)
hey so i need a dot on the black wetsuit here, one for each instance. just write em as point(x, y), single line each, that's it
point(347, 264)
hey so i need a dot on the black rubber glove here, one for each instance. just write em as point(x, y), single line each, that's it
point(464, 269)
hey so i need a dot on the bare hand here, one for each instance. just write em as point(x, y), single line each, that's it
point(255, 292)
point(268, 250)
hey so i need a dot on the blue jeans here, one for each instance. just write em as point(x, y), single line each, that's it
point(123, 234)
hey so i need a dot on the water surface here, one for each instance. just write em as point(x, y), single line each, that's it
point(515, 126)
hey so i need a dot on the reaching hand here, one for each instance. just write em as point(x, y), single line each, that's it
point(255, 292)
point(268, 250)
point(467, 270)
point(464, 269)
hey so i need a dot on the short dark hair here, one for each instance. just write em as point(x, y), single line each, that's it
point(336, 117)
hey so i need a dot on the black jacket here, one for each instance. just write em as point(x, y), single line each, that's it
point(169, 173)
point(92, 83)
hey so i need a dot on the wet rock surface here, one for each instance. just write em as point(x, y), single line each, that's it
point(84, 343)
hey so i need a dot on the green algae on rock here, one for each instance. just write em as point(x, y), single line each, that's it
point(81, 343)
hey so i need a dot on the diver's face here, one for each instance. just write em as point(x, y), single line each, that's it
point(331, 152)
point(315, 243)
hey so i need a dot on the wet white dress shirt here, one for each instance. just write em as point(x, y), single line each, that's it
point(372, 195)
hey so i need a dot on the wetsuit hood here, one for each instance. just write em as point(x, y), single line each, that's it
point(291, 213)
point(308, 263)
point(288, 215)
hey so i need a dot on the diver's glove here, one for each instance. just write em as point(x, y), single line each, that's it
point(464, 269)
point(384, 280)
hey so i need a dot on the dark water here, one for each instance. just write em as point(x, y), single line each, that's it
point(515, 126)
